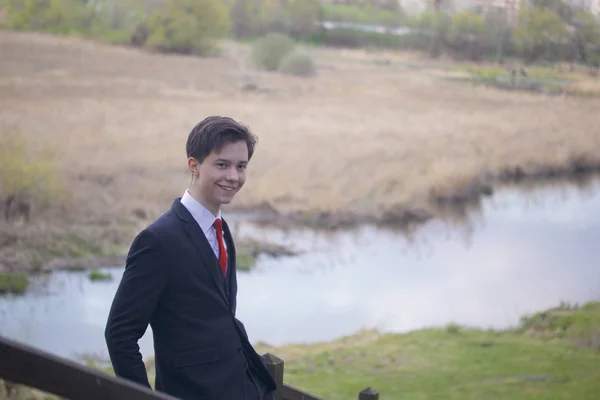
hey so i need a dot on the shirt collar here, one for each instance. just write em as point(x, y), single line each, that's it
point(203, 217)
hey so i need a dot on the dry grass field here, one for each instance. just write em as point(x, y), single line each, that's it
point(361, 139)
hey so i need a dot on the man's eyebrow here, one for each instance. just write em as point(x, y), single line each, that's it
point(228, 161)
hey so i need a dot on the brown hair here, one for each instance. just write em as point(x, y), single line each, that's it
point(213, 132)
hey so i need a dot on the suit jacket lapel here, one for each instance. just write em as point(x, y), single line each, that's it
point(197, 237)
point(210, 262)
point(231, 268)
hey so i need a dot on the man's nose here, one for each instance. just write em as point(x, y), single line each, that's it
point(232, 175)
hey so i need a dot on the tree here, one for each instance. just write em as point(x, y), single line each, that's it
point(304, 17)
point(497, 33)
point(537, 29)
point(465, 34)
point(257, 17)
point(435, 24)
point(188, 26)
point(56, 16)
point(587, 38)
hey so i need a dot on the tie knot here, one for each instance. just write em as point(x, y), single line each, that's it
point(218, 224)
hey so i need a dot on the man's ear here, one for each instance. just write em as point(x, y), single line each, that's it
point(193, 166)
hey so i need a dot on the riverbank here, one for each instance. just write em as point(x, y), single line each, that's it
point(16, 281)
point(363, 141)
point(554, 354)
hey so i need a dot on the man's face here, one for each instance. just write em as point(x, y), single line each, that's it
point(222, 175)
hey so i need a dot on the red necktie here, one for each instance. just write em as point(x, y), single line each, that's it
point(218, 225)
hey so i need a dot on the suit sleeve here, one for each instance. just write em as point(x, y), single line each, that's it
point(143, 282)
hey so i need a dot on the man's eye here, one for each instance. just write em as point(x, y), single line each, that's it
point(221, 165)
point(242, 166)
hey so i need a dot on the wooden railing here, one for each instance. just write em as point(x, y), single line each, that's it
point(287, 392)
point(26, 365)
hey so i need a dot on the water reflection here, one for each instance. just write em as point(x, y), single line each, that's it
point(516, 254)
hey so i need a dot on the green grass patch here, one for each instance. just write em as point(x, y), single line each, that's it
point(13, 283)
point(97, 275)
point(566, 323)
point(535, 79)
point(456, 362)
point(244, 261)
point(492, 72)
point(69, 246)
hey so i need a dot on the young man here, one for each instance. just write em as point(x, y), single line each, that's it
point(180, 278)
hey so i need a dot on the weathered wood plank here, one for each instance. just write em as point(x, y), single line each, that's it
point(291, 393)
point(23, 364)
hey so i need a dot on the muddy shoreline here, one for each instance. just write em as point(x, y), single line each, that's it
point(398, 219)
point(402, 218)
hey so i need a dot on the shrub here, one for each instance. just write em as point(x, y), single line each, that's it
point(244, 261)
point(304, 17)
point(299, 64)
point(96, 275)
point(188, 26)
point(56, 16)
point(465, 34)
point(25, 181)
point(13, 283)
point(537, 33)
point(269, 51)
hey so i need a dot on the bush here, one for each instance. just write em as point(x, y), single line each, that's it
point(255, 18)
point(56, 16)
point(538, 34)
point(25, 181)
point(187, 26)
point(304, 17)
point(299, 64)
point(13, 283)
point(465, 35)
point(269, 51)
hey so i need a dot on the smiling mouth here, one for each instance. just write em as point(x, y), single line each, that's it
point(226, 188)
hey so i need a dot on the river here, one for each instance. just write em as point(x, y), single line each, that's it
point(519, 251)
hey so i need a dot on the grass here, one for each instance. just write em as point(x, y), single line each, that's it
point(244, 261)
point(497, 71)
point(64, 244)
point(357, 141)
point(249, 249)
point(553, 354)
point(13, 283)
point(537, 80)
point(457, 362)
point(579, 325)
point(96, 275)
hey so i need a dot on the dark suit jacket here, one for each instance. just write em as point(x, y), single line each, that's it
point(173, 283)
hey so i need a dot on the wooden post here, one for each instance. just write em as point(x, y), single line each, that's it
point(368, 394)
point(275, 366)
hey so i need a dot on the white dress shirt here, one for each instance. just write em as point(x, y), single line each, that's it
point(205, 219)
